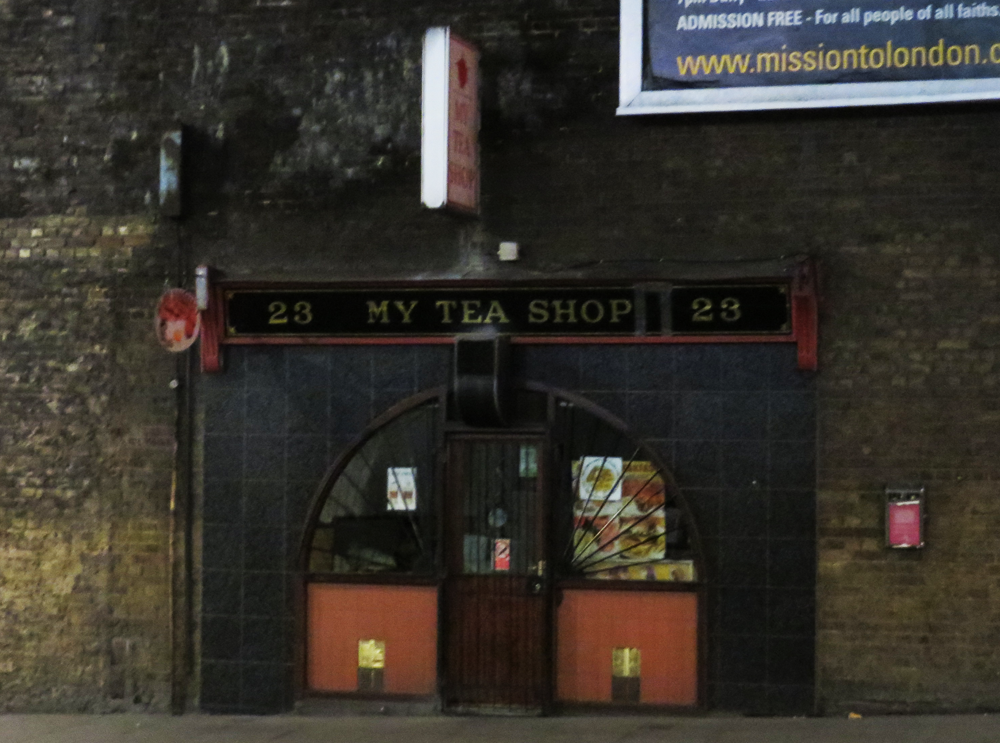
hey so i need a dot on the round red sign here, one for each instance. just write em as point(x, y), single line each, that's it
point(177, 320)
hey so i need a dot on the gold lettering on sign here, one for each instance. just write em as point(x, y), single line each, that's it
point(731, 309)
point(702, 307)
point(619, 307)
point(469, 309)
point(407, 312)
point(378, 312)
point(564, 315)
point(446, 306)
point(592, 311)
point(496, 313)
point(277, 310)
point(538, 311)
point(303, 313)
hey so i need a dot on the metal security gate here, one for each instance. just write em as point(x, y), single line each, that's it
point(496, 620)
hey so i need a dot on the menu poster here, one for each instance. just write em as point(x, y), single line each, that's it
point(600, 479)
point(631, 530)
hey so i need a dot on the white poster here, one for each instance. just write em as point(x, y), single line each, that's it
point(401, 489)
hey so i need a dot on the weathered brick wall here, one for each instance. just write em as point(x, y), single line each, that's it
point(86, 453)
point(910, 394)
point(303, 163)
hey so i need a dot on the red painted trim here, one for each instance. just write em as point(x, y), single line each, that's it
point(805, 315)
point(519, 340)
point(656, 339)
point(484, 284)
point(250, 340)
point(212, 331)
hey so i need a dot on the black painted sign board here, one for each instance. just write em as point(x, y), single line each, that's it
point(432, 311)
point(518, 311)
point(731, 310)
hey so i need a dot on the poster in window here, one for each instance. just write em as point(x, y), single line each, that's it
point(627, 539)
point(402, 489)
point(600, 479)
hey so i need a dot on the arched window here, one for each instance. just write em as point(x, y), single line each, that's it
point(619, 514)
point(616, 513)
point(378, 515)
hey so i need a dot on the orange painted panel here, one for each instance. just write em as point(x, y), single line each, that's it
point(664, 626)
point(404, 617)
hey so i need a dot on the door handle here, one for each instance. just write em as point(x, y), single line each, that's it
point(536, 582)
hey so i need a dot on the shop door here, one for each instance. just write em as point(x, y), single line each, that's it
point(496, 622)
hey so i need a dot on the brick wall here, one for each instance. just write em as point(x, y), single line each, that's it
point(86, 453)
point(303, 164)
point(910, 393)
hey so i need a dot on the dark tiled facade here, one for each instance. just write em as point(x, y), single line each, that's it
point(737, 425)
point(735, 422)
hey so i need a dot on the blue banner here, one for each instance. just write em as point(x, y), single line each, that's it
point(750, 43)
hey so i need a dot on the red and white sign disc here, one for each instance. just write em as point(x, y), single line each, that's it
point(177, 320)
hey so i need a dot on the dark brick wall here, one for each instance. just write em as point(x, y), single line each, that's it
point(910, 394)
point(302, 163)
point(736, 424)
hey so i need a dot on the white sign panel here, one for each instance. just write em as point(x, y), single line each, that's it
point(449, 155)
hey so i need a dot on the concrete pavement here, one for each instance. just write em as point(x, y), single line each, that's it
point(196, 728)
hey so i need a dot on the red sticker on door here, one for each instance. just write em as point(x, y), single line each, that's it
point(501, 554)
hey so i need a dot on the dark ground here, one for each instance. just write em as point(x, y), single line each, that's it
point(197, 728)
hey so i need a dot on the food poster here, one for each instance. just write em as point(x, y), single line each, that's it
point(601, 479)
point(401, 489)
point(620, 523)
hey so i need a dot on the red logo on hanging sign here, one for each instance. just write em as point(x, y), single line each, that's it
point(501, 554)
point(177, 320)
point(463, 125)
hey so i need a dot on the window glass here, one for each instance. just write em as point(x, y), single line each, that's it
point(620, 519)
point(379, 516)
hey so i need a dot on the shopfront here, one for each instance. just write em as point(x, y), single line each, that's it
point(515, 522)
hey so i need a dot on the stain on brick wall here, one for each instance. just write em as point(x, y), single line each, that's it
point(86, 452)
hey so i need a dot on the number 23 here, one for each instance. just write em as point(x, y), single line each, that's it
point(279, 313)
point(702, 306)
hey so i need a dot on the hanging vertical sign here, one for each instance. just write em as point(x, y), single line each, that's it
point(449, 150)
